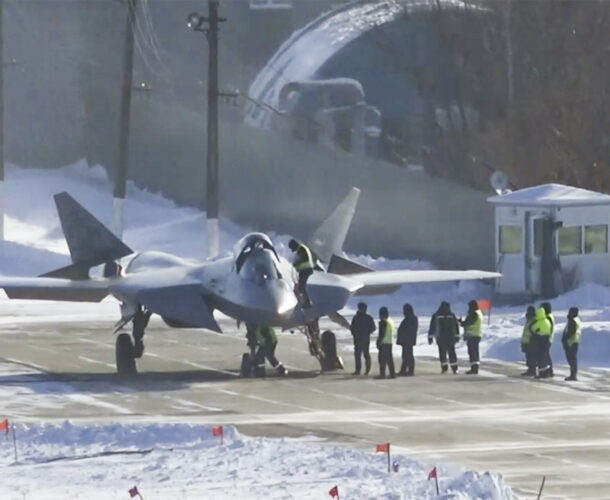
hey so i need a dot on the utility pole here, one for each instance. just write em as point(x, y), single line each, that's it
point(195, 22)
point(124, 121)
point(1, 123)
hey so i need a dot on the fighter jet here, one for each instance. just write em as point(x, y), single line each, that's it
point(253, 285)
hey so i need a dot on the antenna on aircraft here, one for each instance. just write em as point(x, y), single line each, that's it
point(499, 182)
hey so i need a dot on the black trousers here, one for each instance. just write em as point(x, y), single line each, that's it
point(446, 346)
point(530, 360)
point(268, 352)
point(386, 359)
point(408, 360)
point(571, 356)
point(301, 285)
point(542, 355)
point(361, 349)
point(473, 349)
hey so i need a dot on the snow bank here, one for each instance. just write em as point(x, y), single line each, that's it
point(186, 461)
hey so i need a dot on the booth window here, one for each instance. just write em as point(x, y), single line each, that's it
point(510, 239)
point(538, 236)
point(596, 239)
point(569, 240)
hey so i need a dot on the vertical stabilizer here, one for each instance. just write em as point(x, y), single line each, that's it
point(328, 239)
point(90, 242)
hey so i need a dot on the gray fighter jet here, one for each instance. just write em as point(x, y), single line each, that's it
point(254, 285)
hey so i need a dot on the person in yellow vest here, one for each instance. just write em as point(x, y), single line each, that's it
point(472, 335)
point(570, 341)
point(549, 315)
point(266, 342)
point(527, 343)
point(541, 330)
point(384, 343)
point(304, 264)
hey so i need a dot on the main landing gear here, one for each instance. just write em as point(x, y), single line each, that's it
point(323, 348)
point(128, 350)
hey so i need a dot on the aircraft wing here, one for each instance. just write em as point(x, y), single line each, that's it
point(54, 289)
point(371, 280)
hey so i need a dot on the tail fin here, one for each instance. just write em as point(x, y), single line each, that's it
point(328, 239)
point(90, 242)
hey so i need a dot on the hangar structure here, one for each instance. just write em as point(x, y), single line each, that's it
point(550, 238)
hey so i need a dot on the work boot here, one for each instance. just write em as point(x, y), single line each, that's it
point(444, 368)
point(571, 378)
point(454, 369)
point(281, 370)
point(474, 370)
point(379, 377)
point(356, 373)
point(529, 373)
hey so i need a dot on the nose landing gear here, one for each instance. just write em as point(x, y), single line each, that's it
point(128, 350)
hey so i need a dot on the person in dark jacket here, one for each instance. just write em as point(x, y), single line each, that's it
point(549, 315)
point(385, 340)
point(407, 338)
point(363, 325)
point(570, 341)
point(527, 343)
point(473, 324)
point(445, 329)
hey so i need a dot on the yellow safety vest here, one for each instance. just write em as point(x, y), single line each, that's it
point(574, 339)
point(388, 334)
point(474, 330)
point(302, 265)
point(526, 336)
point(261, 339)
point(541, 325)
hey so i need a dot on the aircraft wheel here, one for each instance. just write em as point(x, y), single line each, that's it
point(329, 347)
point(245, 369)
point(125, 360)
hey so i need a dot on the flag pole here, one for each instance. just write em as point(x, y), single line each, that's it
point(14, 442)
point(388, 457)
point(541, 488)
point(436, 483)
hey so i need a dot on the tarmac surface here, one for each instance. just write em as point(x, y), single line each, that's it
point(522, 428)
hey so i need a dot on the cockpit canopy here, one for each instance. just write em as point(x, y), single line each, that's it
point(256, 258)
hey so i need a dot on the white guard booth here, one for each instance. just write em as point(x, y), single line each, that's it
point(550, 238)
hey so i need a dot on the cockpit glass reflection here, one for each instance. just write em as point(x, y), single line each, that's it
point(257, 259)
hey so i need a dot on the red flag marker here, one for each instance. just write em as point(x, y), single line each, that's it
point(4, 425)
point(384, 447)
point(134, 491)
point(433, 474)
point(484, 304)
point(334, 492)
point(217, 431)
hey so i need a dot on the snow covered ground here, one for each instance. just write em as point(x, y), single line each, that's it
point(167, 461)
point(183, 460)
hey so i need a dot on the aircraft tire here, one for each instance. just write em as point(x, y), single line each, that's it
point(124, 350)
point(329, 347)
point(245, 370)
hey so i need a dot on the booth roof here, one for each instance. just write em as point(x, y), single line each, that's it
point(551, 195)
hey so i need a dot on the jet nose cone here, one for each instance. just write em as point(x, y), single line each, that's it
point(283, 299)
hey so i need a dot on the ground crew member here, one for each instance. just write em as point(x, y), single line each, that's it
point(445, 329)
point(266, 342)
point(549, 315)
point(570, 341)
point(384, 343)
point(540, 329)
point(527, 343)
point(472, 335)
point(407, 338)
point(303, 263)
point(363, 325)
